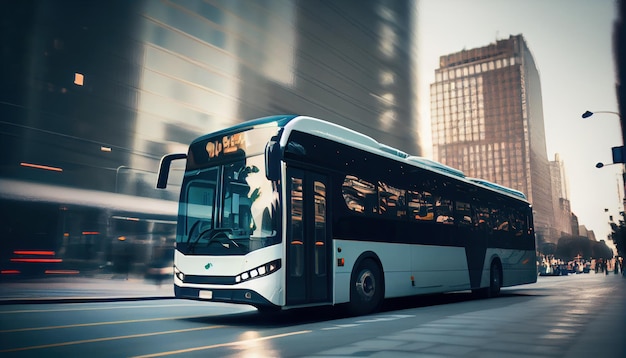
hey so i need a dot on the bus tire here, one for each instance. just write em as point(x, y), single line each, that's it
point(495, 280)
point(366, 288)
point(495, 283)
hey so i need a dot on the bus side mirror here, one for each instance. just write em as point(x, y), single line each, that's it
point(164, 168)
point(272, 160)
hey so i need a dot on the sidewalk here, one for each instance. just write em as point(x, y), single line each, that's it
point(82, 289)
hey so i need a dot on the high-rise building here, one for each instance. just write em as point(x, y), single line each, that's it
point(560, 199)
point(97, 92)
point(487, 120)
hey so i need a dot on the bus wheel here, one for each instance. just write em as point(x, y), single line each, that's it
point(495, 280)
point(366, 288)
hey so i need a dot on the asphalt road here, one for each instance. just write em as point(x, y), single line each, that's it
point(571, 316)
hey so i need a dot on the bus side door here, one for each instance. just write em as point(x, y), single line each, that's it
point(308, 239)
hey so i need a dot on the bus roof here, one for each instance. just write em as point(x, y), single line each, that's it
point(342, 134)
point(498, 187)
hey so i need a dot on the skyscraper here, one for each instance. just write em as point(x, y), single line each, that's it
point(97, 92)
point(560, 198)
point(487, 120)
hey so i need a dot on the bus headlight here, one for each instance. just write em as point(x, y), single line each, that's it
point(260, 271)
point(179, 274)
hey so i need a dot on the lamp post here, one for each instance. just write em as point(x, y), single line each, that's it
point(619, 153)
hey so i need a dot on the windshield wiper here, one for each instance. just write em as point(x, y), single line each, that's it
point(191, 246)
point(215, 233)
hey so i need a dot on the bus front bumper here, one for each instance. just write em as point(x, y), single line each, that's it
point(239, 296)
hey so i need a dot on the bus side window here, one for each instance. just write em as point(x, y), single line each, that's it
point(463, 213)
point(443, 211)
point(420, 205)
point(483, 219)
point(391, 201)
point(360, 195)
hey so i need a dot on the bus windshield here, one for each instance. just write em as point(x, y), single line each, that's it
point(228, 209)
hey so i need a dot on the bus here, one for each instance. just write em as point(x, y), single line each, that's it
point(50, 230)
point(292, 211)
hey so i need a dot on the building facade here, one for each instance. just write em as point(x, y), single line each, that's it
point(94, 93)
point(487, 120)
point(560, 199)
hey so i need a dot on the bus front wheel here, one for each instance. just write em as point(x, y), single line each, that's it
point(366, 288)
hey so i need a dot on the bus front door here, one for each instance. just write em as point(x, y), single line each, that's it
point(308, 244)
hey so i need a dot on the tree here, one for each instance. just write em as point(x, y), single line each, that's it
point(618, 236)
point(569, 247)
point(547, 248)
point(600, 250)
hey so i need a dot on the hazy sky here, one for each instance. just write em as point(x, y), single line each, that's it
point(571, 42)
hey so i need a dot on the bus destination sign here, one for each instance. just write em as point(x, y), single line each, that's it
point(226, 145)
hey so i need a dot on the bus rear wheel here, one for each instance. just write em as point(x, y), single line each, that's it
point(495, 280)
point(495, 283)
point(366, 288)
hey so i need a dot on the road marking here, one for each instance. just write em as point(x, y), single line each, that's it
point(96, 324)
point(340, 326)
point(104, 339)
point(219, 345)
point(93, 308)
point(366, 321)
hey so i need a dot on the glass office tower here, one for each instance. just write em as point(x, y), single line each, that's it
point(487, 120)
point(95, 92)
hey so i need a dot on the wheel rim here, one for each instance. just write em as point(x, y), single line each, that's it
point(366, 285)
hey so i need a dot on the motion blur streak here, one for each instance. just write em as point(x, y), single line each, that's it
point(103, 339)
point(95, 324)
point(223, 345)
point(90, 309)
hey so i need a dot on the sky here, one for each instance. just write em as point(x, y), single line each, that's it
point(571, 42)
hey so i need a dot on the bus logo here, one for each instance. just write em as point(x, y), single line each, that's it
point(208, 266)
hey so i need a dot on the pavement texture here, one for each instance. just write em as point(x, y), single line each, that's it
point(83, 289)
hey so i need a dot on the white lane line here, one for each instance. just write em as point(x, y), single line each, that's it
point(229, 344)
point(96, 324)
point(104, 339)
point(94, 308)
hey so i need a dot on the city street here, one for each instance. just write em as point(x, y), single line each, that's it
point(567, 316)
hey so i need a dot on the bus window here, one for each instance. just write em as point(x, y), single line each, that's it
point(443, 211)
point(391, 200)
point(360, 195)
point(420, 205)
point(200, 200)
point(463, 212)
point(297, 229)
point(483, 218)
point(320, 228)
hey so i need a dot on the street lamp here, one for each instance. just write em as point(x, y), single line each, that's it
point(588, 114)
point(619, 153)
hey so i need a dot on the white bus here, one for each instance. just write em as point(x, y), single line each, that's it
point(292, 211)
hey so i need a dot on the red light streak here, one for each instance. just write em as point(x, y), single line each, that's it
point(61, 272)
point(34, 252)
point(38, 166)
point(36, 260)
point(9, 272)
